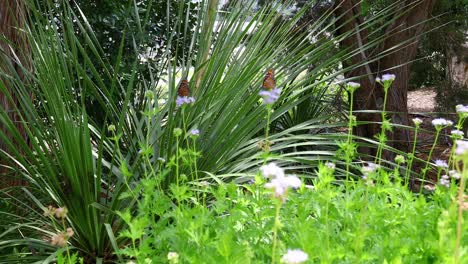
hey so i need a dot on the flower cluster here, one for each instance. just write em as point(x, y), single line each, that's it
point(445, 181)
point(173, 257)
point(61, 238)
point(294, 256)
point(441, 163)
point(454, 174)
point(270, 96)
point(386, 78)
point(182, 100)
point(462, 147)
point(352, 86)
point(417, 121)
point(457, 134)
point(462, 109)
point(194, 132)
point(60, 212)
point(279, 183)
point(441, 122)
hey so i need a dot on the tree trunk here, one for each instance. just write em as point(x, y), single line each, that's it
point(12, 55)
point(402, 37)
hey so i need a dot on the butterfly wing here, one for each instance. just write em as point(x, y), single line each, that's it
point(269, 81)
point(184, 89)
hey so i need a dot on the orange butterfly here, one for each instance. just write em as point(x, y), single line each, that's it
point(269, 81)
point(184, 89)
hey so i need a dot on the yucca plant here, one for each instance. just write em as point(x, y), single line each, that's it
point(77, 161)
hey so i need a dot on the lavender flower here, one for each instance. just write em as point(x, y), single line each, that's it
point(462, 147)
point(270, 96)
point(388, 77)
point(294, 256)
point(194, 132)
point(445, 181)
point(272, 171)
point(181, 100)
point(282, 184)
point(441, 163)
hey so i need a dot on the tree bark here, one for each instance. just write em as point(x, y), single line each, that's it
point(13, 56)
point(402, 38)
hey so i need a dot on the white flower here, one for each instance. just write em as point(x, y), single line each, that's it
point(457, 133)
point(441, 163)
point(194, 132)
point(417, 121)
point(439, 122)
point(462, 108)
point(330, 165)
point(352, 86)
point(294, 256)
point(388, 77)
point(272, 171)
point(173, 257)
point(454, 174)
point(462, 147)
point(371, 167)
point(270, 96)
point(281, 184)
point(445, 181)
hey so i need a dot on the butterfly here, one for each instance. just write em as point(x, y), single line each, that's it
point(184, 89)
point(269, 81)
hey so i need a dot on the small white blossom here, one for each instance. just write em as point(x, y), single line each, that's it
point(272, 171)
point(417, 121)
point(445, 181)
point(457, 133)
point(330, 165)
point(388, 77)
point(280, 185)
point(173, 257)
point(441, 163)
point(352, 86)
point(462, 108)
point(294, 256)
point(454, 174)
point(462, 147)
point(440, 122)
point(371, 167)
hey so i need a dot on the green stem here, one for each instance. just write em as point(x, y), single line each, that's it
point(429, 159)
point(350, 131)
point(66, 246)
point(461, 193)
point(381, 138)
point(275, 231)
point(411, 158)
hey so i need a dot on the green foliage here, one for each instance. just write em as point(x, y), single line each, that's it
point(364, 222)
